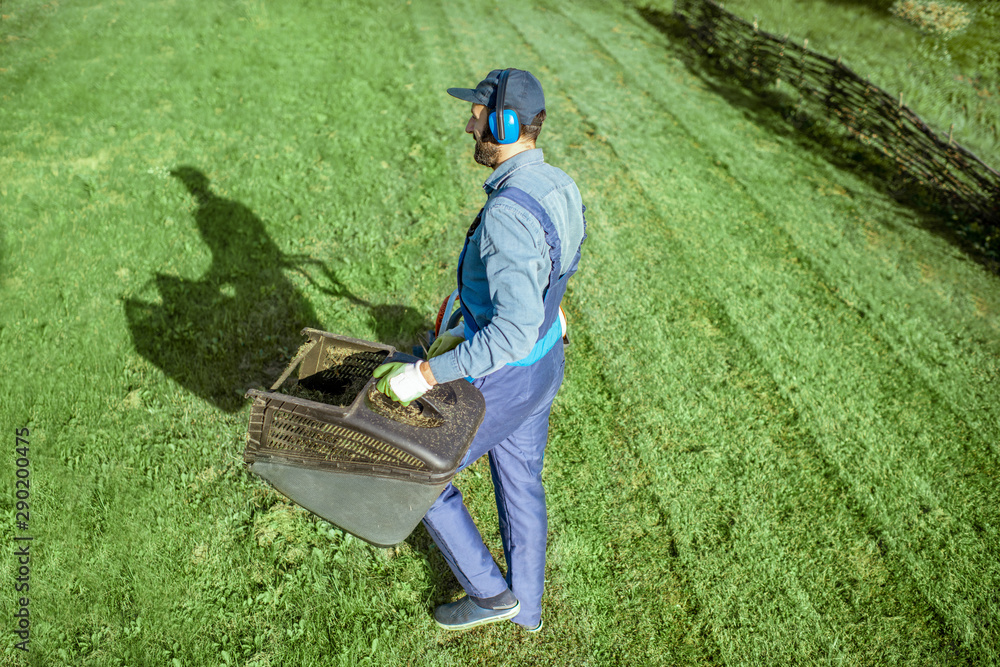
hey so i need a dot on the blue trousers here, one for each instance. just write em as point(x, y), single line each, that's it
point(513, 435)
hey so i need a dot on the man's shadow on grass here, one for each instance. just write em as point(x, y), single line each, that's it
point(237, 326)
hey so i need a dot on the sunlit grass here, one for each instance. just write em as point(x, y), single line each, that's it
point(776, 441)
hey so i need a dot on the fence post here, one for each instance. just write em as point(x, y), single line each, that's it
point(834, 105)
point(781, 61)
point(865, 138)
point(802, 74)
point(802, 63)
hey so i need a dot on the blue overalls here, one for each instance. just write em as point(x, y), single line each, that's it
point(513, 434)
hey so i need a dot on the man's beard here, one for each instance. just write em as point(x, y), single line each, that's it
point(487, 152)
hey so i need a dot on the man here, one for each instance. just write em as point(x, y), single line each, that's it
point(512, 272)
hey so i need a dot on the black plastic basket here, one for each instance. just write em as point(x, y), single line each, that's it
point(346, 452)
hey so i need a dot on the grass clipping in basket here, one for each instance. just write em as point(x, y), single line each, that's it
point(345, 373)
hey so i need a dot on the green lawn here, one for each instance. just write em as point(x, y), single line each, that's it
point(777, 442)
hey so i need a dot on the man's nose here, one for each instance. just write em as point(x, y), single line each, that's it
point(470, 125)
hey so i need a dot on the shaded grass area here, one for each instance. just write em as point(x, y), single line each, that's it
point(776, 442)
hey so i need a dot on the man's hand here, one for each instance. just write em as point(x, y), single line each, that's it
point(446, 342)
point(403, 383)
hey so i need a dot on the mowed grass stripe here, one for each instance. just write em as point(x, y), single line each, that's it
point(737, 547)
point(948, 323)
point(599, 586)
point(939, 312)
point(953, 443)
point(646, 132)
point(619, 330)
point(892, 624)
point(813, 357)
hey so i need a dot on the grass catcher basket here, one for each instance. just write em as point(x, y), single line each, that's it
point(350, 454)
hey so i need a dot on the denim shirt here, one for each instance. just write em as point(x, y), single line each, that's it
point(506, 266)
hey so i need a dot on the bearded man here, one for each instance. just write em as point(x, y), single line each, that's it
point(518, 255)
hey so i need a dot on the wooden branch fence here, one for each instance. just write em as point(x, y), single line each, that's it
point(826, 88)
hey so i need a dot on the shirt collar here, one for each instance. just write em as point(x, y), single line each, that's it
point(509, 166)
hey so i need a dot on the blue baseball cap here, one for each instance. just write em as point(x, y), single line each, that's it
point(523, 95)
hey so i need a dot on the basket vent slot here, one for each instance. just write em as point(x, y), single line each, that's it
point(314, 441)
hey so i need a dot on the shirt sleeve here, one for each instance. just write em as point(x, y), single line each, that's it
point(516, 272)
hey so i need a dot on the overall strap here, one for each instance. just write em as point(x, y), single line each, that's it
point(557, 283)
point(557, 279)
point(470, 321)
point(531, 205)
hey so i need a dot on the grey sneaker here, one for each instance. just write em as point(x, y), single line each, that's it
point(466, 614)
point(527, 629)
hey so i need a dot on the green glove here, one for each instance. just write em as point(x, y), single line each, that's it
point(444, 343)
point(403, 383)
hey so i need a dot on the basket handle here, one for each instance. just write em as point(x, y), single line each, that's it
point(303, 351)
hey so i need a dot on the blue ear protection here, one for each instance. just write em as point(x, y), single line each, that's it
point(508, 131)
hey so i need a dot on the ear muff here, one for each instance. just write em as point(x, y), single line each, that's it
point(507, 131)
point(511, 127)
